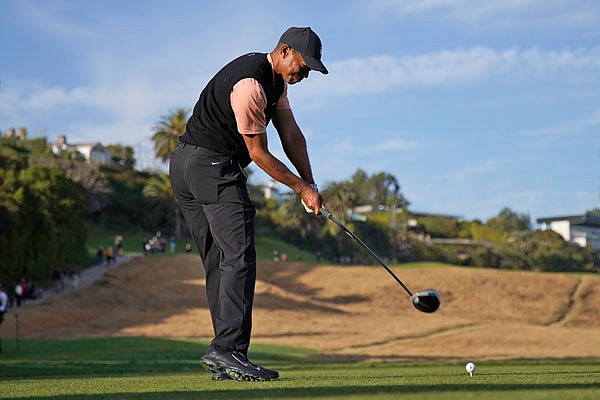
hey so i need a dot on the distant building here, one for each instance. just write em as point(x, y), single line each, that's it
point(21, 133)
point(581, 229)
point(271, 191)
point(93, 152)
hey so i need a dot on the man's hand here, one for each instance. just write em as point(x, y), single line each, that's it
point(311, 198)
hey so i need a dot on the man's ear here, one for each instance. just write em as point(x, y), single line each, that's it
point(285, 50)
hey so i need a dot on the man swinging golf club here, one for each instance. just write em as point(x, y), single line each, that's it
point(227, 130)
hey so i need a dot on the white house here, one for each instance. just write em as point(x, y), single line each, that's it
point(271, 191)
point(581, 229)
point(92, 151)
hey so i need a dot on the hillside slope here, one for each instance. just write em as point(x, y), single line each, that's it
point(346, 312)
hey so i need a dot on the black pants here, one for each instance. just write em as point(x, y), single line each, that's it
point(211, 191)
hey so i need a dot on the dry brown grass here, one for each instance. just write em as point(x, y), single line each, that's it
point(345, 312)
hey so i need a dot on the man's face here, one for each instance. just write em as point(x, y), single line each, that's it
point(294, 69)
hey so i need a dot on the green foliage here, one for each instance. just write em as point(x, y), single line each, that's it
point(122, 155)
point(42, 215)
point(594, 212)
point(378, 189)
point(508, 221)
point(167, 132)
point(477, 231)
point(128, 208)
point(440, 227)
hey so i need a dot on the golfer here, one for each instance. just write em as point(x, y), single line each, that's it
point(227, 131)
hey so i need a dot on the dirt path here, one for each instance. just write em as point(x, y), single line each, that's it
point(354, 313)
point(573, 300)
point(86, 277)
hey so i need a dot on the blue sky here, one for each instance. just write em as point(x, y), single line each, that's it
point(473, 105)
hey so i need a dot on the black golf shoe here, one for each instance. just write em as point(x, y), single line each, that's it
point(271, 373)
point(235, 365)
point(220, 376)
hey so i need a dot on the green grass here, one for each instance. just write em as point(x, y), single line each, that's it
point(149, 368)
point(266, 244)
point(132, 243)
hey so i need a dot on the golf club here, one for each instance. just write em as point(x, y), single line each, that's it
point(425, 301)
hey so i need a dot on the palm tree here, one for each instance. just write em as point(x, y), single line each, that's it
point(159, 186)
point(292, 215)
point(167, 132)
point(339, 198)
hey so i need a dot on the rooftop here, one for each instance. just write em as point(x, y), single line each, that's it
point(585, 219)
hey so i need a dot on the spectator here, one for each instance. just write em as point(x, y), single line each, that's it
point(110, 256)
point(75, 276)
point(21, 290)
point(172, 244)
point(11, 296)
point(3, 307)
point(100, 255)
point(119, 244)
point(59, 280)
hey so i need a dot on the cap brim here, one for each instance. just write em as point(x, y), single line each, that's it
point(314, 64)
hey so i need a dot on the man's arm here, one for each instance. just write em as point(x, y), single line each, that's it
point(260, 154)
point(293, 142)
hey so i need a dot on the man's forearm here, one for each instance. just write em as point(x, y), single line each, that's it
point(278, 171)
point(296, 151)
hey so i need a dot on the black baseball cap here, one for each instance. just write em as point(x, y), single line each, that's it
point(307, 43)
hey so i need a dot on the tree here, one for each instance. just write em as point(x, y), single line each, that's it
point(594, 212)
point(510, 221)
point(292, 215)
point(378, 189)
point(159, 187)
point(122, 155)
point(167, 132)
point(339, 197)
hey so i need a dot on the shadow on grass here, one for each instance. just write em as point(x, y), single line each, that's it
point(93, 357)
point(321, 392)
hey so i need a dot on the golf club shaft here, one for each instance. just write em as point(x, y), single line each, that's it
point(353, 236)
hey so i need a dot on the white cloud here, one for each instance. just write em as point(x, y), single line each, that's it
point(566, 128)
point(139, 95)
point(394, 145)
point(378, 74)
point(49, 19)
point(499, 13)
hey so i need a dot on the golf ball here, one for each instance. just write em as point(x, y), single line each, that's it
point(470, 367)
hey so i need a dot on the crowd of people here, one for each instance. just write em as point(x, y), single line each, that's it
point(159, 244)
point(14, 295)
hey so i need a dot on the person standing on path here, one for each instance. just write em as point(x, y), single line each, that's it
point(3, 308)
point(227, 131)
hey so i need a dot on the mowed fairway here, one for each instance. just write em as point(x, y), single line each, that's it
point(146, 368)
point(333, 331)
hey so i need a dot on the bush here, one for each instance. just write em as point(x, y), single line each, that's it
point(549, 259)
point(42, 216)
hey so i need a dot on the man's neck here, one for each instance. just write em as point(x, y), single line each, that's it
point(270, 58)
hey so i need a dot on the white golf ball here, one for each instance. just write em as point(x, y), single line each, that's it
point(470, 367)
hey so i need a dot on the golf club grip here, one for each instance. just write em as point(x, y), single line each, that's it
point(363, 244)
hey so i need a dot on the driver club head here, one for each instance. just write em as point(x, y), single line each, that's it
point(426, 301)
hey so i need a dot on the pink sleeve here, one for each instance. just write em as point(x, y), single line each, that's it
point(248, 101)
point(283, 103)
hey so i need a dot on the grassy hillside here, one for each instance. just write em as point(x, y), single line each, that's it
point(132, 243)
point(347, 313)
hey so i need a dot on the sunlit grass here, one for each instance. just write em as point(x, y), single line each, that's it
point(150, 368)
